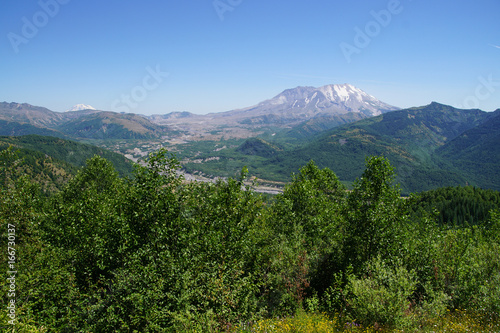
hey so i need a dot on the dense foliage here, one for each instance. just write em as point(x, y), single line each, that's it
point(458, 205)
point(152, 253)
point(59, 159)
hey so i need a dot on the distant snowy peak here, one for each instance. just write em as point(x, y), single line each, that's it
point(334, 98)
point(80, 107)
point(344, 92)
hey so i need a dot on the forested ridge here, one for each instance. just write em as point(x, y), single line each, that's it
point(153, 253)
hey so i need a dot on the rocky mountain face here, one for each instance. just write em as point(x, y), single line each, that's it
point(324, 108)
point(338, 104)
point(303, 103)
point(28, 114)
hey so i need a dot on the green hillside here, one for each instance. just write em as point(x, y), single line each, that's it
point(457, 205)
point(430, 146)
point(57, 159)
point(313, 127)
point(408, 138)
point(25, 119)
point(476, 152)
point(11, 128)
point(111, 125)
point(49, 173)
point(259, 147)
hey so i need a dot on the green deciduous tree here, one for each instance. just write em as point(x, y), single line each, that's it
point(85, 221)
point(307, 222)
point(382, 294)
point(375, 216)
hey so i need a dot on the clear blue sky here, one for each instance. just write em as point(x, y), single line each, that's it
point(243, 52)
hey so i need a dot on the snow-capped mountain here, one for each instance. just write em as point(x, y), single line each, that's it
point(310, 102)
point(335, 104)
point(80, 107)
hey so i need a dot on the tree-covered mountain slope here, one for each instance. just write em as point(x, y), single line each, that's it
point(111, 125)
point(408, 138)
point(476, 152)
point(12, 128)
point(52, 161)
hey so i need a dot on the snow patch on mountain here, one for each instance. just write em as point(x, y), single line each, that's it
point(80, 107)
point(329, 99)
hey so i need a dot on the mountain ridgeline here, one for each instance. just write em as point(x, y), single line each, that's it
point(111, 125)
point(430, 146)
point(330, 105)
point(301, 103)
point(426, 145)
point(337, 126)
point(339, 249)
point(23, 119)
